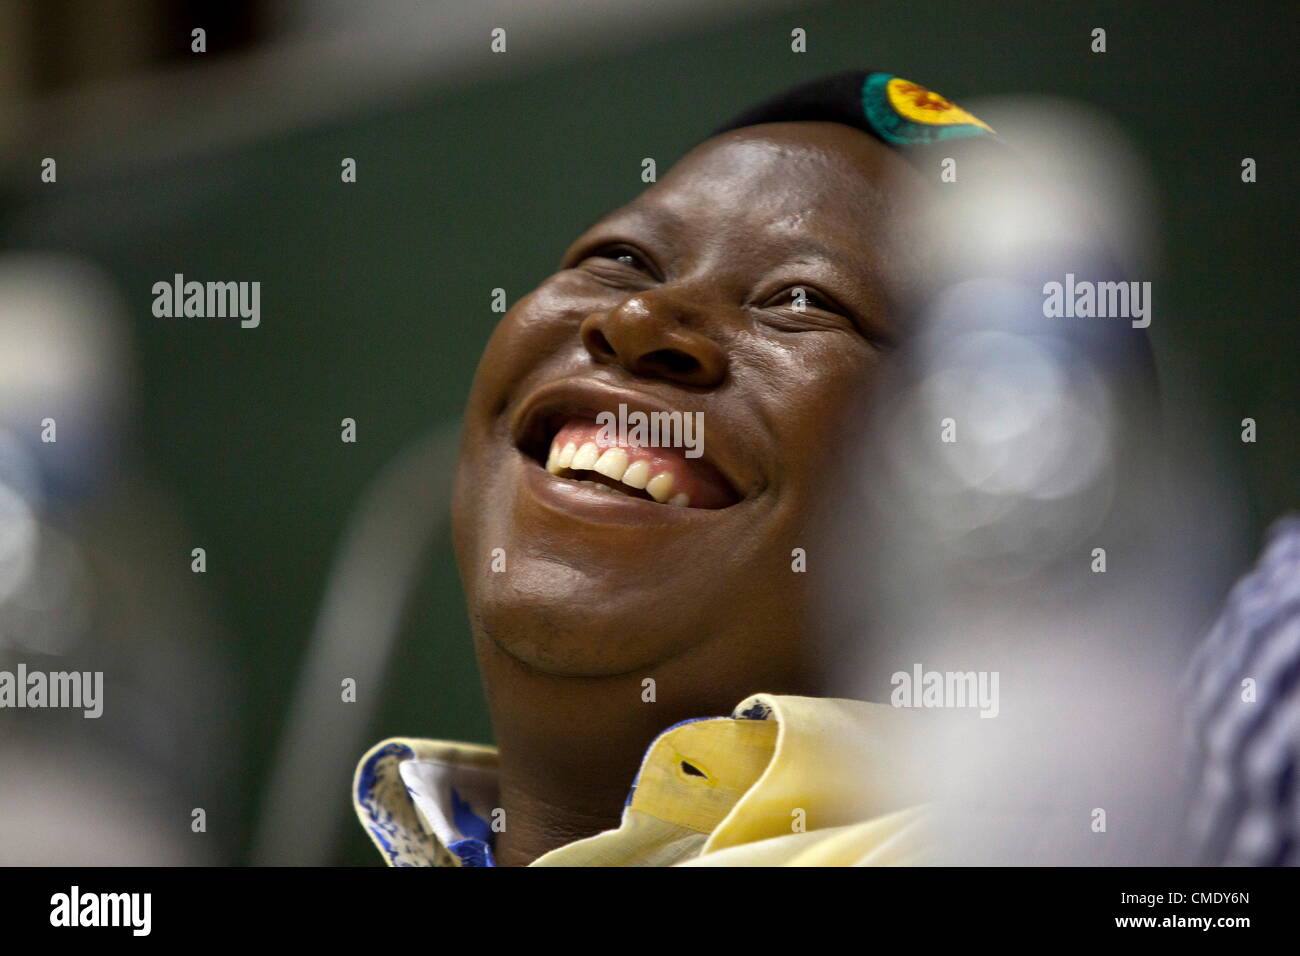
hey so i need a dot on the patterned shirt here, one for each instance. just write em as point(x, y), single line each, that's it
point(1244, 708)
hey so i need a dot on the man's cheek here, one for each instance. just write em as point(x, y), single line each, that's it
point(525, 338)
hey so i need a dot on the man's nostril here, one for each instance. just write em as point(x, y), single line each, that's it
point(598, 345)
point(653, 347)
point(672, 362)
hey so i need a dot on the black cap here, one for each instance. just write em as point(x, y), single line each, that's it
point(898, 112)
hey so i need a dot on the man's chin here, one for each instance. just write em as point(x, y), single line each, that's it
point(581, 645)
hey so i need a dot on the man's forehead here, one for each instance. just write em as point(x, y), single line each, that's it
point(790, 150)
point(788, 180)
point(748, 168)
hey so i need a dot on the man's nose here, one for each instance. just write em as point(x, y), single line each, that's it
point(646, 335)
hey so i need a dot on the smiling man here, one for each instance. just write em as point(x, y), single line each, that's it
point(623, 593)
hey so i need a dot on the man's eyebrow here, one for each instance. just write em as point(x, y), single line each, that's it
point(656, 218)
point(854, 263)
point(659, 223)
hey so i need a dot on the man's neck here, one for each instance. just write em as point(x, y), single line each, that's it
point(570, 747)
point(565, 773)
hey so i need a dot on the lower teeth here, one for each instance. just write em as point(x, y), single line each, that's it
point(600, 487)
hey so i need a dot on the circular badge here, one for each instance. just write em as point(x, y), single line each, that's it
point(905, 112)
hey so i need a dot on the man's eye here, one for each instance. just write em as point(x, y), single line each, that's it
point(623, 256)
point(803, 298)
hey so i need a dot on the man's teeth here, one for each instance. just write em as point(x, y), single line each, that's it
point(585, 459)
point(614, 464)
point(660, 487)
point(637, 474)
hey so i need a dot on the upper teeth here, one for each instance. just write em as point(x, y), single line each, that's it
point(614, 463)
point(586, 457)
point(637, 474)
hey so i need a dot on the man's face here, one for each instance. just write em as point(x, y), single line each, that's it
point(682, 301)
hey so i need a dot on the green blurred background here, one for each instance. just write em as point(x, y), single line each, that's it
point(375, 295)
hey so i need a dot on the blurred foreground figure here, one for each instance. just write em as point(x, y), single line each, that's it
point(1014, 554)
point(92, 596)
